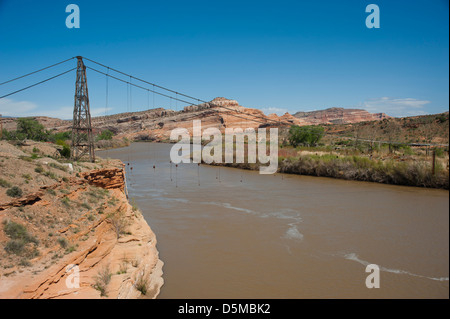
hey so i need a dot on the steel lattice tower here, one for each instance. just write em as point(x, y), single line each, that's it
point(82, 137)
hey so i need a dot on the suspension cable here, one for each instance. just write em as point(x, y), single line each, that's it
point(181, 94)
point(188, 102)
point(30, 86)
point(48, 67)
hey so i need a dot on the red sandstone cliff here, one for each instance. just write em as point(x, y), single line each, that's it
point(74, 217)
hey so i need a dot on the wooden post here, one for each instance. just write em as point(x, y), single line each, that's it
point(434, 163)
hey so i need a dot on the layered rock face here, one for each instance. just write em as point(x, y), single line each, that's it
point(338, 116)
point(157, 124)
point(130, 258)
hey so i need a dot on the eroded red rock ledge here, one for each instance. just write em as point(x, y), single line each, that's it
point(130, 259)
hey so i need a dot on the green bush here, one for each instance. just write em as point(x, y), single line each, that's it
point(15, 247)
point(17, 231)
point(14, 192)
point(61, 136)
point(65, 152)
point(105, 135)
point(19, 238)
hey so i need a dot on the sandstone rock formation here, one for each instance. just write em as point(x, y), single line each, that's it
point(156, 124)
point(82, 212)
point(337, 115)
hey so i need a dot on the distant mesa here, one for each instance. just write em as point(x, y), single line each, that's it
point(338, 115)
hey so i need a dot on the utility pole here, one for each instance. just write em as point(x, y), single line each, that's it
point(82, 136)
point(1, 127)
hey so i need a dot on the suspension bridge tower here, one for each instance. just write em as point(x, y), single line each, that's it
point(82, 136)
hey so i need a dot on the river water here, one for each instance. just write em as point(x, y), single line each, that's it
point(230, 233)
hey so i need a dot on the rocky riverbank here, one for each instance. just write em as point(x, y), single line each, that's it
point(70, 232)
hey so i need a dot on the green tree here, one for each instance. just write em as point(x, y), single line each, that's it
point(31, 129)
point(305, 135)
point(63, 136)
point(105, 135)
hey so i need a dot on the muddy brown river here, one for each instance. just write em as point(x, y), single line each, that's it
point(230, 233)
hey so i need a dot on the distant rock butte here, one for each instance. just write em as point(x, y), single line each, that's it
point(337, 115)
point(157, 124)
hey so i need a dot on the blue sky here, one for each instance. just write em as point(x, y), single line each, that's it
point(276, 56)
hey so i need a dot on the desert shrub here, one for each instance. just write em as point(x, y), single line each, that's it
point(70, 249)
point(24, 262)
point(96, 194)
point(58, 166)
point(14, 192)
point(4, 183)
point(26, 158)
point(39, 169)
point(86, 206)
point(123, 268)
point(118, 222)
point(15, 247)
point(17, 231)
point(102, 280)
point(65, 152)
point(19, 239)
point(50, 175)
point(442, 118)
point(142, 283)
point(65, 201)
point(63, 242)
